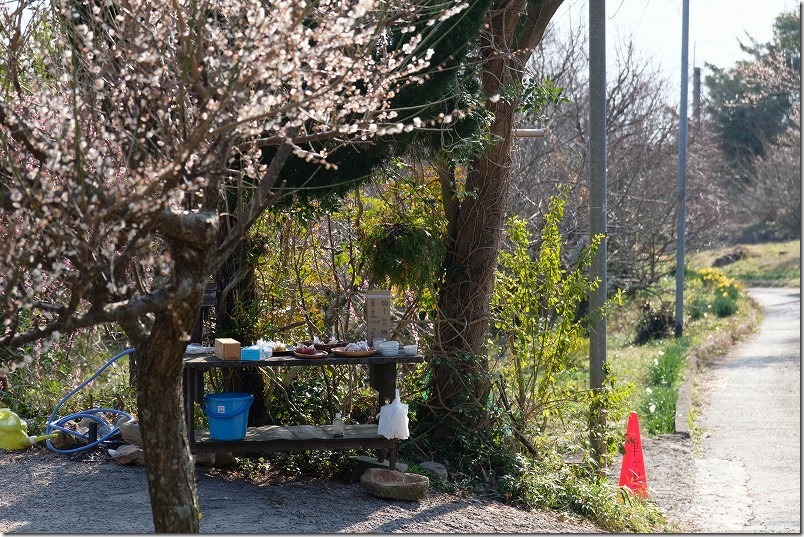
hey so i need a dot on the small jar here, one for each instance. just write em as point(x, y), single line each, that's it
point(337, 425)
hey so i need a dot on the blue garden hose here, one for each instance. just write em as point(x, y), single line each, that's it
point(109, 430)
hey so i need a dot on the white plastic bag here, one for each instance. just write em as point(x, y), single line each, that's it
point(394, 419)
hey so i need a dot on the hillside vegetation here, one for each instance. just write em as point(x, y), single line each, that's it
point(775, 264)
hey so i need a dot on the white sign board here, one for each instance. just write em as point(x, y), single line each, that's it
point(378, 314)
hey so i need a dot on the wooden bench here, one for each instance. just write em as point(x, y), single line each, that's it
point(382, 377)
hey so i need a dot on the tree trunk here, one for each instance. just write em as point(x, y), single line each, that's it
point(168, 461)
point(460, 378)
point(471, 259)
point(461, 383)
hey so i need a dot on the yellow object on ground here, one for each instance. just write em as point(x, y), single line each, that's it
point(14, 432)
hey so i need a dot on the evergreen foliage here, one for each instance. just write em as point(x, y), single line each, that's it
point(444, 90)
point(754, 102)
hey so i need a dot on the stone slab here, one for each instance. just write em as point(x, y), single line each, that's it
point(360, 463)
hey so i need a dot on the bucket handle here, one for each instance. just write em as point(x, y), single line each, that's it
point(213, 414)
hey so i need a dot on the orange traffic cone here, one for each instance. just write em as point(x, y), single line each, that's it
point(632, 475)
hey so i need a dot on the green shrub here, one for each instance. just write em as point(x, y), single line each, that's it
point(659, 410)
point(667, 368)
point(537, 329)
point(712, 291)
point(698, 307)
point(408, 254)
point(654, 324)
point(726, 291)
point(33, 391)
point(553, 484)
point(724, 305)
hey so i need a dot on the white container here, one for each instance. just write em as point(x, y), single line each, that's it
point(337, 425)
point(389, 348)
point(410, 350)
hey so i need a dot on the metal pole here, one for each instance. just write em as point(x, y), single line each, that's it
point(682, 169)
point(597, 212)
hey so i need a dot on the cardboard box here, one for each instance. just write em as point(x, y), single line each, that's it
point(227, 348)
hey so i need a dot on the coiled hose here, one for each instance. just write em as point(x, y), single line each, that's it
point(107, 429)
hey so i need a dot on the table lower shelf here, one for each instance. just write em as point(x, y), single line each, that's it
point(296, 438)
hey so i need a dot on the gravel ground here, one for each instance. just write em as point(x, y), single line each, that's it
point(670, 472)
point(45, 492)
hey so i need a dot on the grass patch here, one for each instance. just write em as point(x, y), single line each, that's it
point(775, 263)
point(653, 372)
point(553, 484)
point(658, 407)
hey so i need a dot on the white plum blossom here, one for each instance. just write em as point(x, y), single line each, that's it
point(141, 140)
point(138, 120)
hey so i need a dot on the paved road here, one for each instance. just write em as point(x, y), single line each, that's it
point(747, 467)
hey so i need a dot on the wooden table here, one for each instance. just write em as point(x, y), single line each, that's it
point(382, 377)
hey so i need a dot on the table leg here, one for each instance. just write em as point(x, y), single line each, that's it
point(190, 381)
point(392, 458)
point(382, 377)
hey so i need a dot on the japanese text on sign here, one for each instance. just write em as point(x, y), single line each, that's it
point(378, 314)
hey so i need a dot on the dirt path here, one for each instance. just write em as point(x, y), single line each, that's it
point(747, 467)
point(45, 492)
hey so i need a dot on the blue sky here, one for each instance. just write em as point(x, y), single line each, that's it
point(655, 25)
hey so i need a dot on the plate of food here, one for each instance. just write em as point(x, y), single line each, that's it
point(308, 351)
point(341, 351)
point(320, 345)
point(283, 350)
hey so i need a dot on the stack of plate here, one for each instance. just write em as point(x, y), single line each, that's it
point(389, 348)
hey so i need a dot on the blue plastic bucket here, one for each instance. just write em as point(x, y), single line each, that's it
point(228, 414)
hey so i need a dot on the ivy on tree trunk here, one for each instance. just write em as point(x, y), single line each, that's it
point(476, 220)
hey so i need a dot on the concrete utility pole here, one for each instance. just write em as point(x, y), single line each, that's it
point(682, 169)
point(696, 96)
point(597, 211)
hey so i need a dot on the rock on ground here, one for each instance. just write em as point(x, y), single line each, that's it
point(395, 485)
